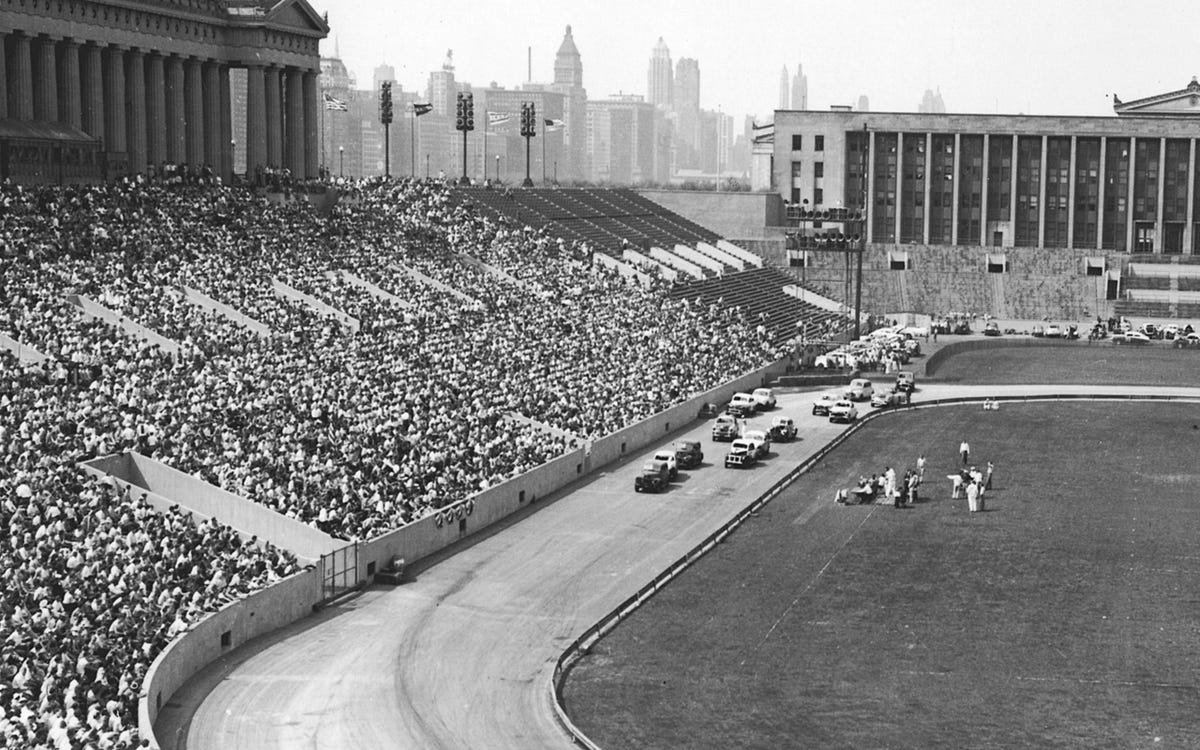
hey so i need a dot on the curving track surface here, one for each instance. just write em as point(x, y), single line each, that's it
point(462, 657)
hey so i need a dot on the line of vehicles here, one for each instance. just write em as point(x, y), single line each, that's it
point(749, 446)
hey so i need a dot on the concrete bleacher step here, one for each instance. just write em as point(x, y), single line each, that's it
point(650, 264)
point(97, 311)
point(738, 252)
point(700, 259)
point(492, 270)
point(199, 299)
point(287, 291)
point(718, 254)
point(669, 258)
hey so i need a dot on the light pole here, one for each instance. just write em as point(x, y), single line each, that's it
point(232, 159)
point(341, 161)
point(497, 167)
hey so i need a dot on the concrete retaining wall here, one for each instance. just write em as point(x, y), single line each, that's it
point(168, 486)
point(25, 354)
point(290, 292)
point(94, 309)
point(220, 634)
point(936, 359)
point(199, 299)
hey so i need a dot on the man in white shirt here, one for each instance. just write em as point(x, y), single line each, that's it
point(964, 450)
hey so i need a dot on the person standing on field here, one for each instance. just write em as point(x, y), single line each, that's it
point(964, 450)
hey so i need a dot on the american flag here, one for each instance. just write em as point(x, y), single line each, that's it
point(335, 104)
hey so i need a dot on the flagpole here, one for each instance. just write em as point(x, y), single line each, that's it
point(487, 118)
point(545, 135)
point(412, 137)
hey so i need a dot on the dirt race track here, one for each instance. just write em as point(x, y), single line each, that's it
point(462, 657)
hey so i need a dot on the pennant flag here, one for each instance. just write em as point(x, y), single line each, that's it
point(335, 104)
point(499, 118)
point(422, 109)
point(552, 125)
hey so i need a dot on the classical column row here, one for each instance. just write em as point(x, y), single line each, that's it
point(154, 107)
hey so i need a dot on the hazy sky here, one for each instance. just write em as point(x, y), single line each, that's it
point(1049, 57)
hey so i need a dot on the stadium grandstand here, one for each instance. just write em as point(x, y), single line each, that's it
point(355, 370)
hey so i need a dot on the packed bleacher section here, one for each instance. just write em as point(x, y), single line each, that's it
point(757, 295)
point(354, 433)
point(608, 220)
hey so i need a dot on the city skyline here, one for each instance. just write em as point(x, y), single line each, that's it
point(983, 58)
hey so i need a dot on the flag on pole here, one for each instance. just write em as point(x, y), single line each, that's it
point(422, 109)
point(498, 118)
point(335, 104)
point(552, 125)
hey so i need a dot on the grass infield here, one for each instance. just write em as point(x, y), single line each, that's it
point(1066, 615)
point(1099, 363)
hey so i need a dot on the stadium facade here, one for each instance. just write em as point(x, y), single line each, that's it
point(997, 200)
point(122, 86)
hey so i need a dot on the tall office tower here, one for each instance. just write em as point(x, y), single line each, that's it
point(660, 82)
point(687, 113)
point(442, 88)
point(864, 104)
point(799, 89)
point(783, 89)
point(568, 80)
point(383, 72)
point(932, 103)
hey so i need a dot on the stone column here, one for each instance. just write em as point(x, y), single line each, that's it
point(176, 114)
point(870, 203)
point(69, 89)
point(45, 80)
point(274, 101)
point(20, 80)
point(114, 100)
point(91, 70)
point(156, 110)
point(899, 186)
point(1071, 194)
point(1130, 219)
point(1189, 246)
point(312, 134)
point(1160, 228)
point(193, 86)
point(135, 88)
point(983, 192)
point(1012, 195)
point(954, 215)
point(4, 34)
point(928, 186)
point(1100, 193)
point(212, 116)
point(226, 167)
point(294, 139)
point(1041, 234)
point(256, 119)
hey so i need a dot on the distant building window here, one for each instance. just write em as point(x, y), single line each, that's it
point(818, 196)
point(819, 145)
point(818, 169)
point(797, 142)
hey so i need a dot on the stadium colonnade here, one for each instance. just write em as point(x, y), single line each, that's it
point(124, 87)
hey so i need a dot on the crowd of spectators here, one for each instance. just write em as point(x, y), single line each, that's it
point(354, 433)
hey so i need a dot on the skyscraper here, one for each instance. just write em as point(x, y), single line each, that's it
point(660, 82)
point(568, 80)
point(799, 89)
point(783, 89)
point(864, 104)
point(442, 87)
point(932, 102)
point(687, 113)
point(383, 72)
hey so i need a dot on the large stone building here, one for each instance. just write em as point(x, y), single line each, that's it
point(1006, 214)
point(143, 82)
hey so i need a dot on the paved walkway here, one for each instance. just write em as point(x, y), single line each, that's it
point(462, 657)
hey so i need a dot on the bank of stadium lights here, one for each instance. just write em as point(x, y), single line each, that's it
point(385, 117)
point(528, 130)
point(464, 120)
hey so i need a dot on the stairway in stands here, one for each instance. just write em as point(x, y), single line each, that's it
point(759, 294)
point(1160, 286)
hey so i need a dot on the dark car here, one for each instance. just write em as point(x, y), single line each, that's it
point(654, 477)
point(991, 328)
point(688, 453)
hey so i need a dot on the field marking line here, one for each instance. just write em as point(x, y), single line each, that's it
point(814, 579)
